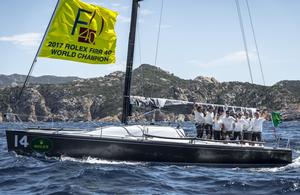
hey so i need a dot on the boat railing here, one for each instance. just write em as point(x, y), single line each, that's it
point(280, 142)
point(288, 145)
point(194, 139)
point(36, 124)
point(17, 118)
point(12, 117)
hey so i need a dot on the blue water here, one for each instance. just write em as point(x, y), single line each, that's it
point(32, 175)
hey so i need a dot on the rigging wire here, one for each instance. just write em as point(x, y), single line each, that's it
point(140, 56)
point(36, 55)
point(157, 41)
point(158, 33)
point(255, 42)
point(244, 37)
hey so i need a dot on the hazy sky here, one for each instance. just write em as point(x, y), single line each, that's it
point(198, 37)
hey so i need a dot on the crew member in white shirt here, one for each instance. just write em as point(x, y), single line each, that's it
point(228, 122)
point(247, 132)
point(199, 119)
point(217, 127)
point(257, 126)
point(209, 119)
point(240, 125)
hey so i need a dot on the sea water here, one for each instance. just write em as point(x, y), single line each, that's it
point(65, 175)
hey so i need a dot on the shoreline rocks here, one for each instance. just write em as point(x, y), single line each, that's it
point(100, 99)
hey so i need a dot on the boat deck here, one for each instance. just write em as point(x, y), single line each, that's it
point(144, 133)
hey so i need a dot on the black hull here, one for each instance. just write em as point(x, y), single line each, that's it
point(147, 151)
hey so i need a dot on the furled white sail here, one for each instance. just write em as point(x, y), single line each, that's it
point(179, 106)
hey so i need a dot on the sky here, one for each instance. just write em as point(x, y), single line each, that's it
point(197, 38)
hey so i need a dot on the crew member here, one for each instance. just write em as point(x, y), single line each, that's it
point(257, 126)
point(247, 132)
point(240, 125)
point(209, 118)
point(228, 122)
point(199, 119)
point(217, 127)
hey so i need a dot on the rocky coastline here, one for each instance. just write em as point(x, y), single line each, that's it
point(100, 99)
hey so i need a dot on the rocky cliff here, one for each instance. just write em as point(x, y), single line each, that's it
point(101, 98)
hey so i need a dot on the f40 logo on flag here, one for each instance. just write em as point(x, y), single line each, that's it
point(86, 35)
point(81, 32)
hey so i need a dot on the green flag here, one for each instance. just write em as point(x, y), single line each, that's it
point(276, 118)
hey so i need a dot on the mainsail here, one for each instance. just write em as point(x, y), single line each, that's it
point(179, 106)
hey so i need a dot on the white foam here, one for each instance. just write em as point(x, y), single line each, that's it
point(297, 151)
point(91, 160)
point(294, 165)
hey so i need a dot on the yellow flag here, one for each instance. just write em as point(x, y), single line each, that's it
point(81, 32)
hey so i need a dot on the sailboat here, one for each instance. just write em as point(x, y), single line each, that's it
point(144, 143)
